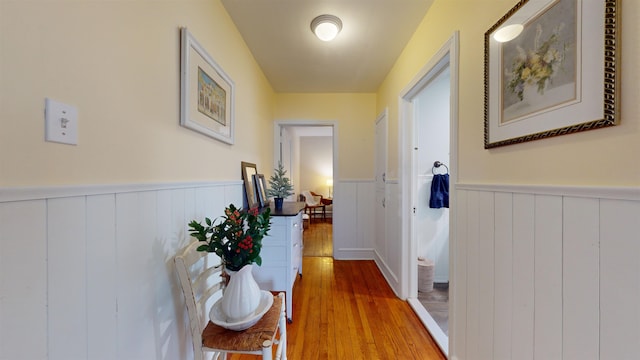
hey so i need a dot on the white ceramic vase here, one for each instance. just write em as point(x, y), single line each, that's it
point(241, 296)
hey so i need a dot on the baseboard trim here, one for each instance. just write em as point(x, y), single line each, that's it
point(391, 278)
point(353, 254)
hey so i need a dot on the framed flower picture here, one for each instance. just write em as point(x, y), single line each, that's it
point(206, 92)
point(551, 69)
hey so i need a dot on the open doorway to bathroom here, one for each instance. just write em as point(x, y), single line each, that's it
point(431, 177)
point(429, 123)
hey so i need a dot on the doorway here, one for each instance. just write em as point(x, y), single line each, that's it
point(429, 128)
point(307, 150)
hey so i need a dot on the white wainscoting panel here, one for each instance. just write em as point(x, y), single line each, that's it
point(503, 283)
point(548, 278)
point(135, 233)
point(101, 277)
point(458, 292)
point(23, 280)
point(546, 273)
point(472, 278)
point(344, 218)
point(353, 219)
point(66, 270)
point(581, 282)
point(365, 213)
point(620, 284)
point(393, 245)
point(523, 276)
point(486, 275)
point(87, 272)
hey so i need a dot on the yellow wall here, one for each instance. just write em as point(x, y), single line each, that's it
point(118, 63)
point(355, 117)
point(603, 157)
point(317, 165)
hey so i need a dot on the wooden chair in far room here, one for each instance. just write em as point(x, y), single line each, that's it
point(313, 203)
point(200, 275)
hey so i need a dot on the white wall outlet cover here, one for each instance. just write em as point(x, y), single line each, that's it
point(61, 122)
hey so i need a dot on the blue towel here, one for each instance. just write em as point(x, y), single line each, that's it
point(439, 191)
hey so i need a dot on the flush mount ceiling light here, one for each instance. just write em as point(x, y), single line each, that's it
point(326, 27)
point(508, 33)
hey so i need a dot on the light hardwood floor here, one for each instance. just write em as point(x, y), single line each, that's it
point(346, 310)
point(318, 239)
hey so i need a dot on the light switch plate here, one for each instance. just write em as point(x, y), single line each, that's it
point(61, 122)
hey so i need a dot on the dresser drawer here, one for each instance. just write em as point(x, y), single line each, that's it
point(273, 255)
point(277, 235)
point(296, 255)
point(282, 255)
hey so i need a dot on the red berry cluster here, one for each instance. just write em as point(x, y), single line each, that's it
point(246, 244)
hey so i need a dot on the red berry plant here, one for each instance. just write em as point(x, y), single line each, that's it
point(236, 238)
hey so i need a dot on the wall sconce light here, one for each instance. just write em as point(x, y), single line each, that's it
point(326, 27)
point(330, 185)
point(508, 33)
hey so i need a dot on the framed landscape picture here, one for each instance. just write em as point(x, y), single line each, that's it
point(206, 92)
point(557, 74)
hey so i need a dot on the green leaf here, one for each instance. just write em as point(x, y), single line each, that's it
point(203, 248)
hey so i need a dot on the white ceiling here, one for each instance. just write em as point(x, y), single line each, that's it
point(374, 32)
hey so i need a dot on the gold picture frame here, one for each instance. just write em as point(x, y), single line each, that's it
point(559, 76)
point(249, 170)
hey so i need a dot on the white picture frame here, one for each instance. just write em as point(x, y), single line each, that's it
point(207, 93)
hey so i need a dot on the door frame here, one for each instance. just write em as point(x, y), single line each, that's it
point(277, 126)
point(381, 236)
point(447, 55)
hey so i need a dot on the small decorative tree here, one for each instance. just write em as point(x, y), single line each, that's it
point(280, 186)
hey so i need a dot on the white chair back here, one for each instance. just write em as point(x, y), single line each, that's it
point(310, 199)
point(200, 278)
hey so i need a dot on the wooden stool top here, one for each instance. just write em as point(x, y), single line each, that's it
point(251, 339)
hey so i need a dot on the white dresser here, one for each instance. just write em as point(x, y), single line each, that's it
point(282, 252)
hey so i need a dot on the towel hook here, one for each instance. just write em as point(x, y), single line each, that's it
point(437, 164)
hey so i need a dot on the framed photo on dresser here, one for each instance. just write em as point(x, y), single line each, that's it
point(261, 187)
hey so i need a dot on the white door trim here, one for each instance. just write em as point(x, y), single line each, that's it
point(447, 55)
point(278, 124)
point(380, 188)
point(276, 138)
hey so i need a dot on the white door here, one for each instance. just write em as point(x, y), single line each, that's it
point(381, 178)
